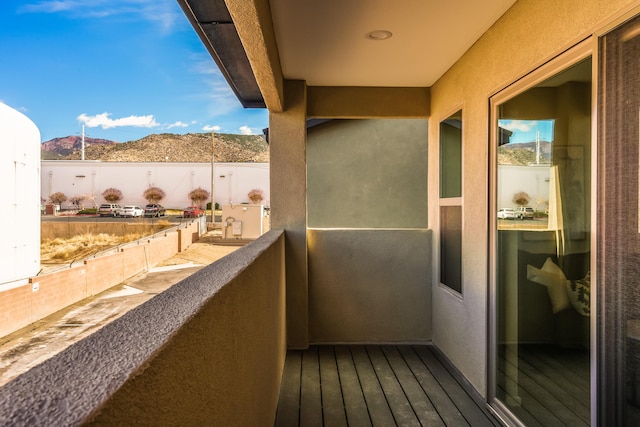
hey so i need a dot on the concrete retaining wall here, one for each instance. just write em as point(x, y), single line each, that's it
point(44, 295)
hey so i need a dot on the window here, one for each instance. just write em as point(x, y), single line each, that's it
point(451, 202)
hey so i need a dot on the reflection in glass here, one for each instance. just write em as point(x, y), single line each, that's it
point(543, 251)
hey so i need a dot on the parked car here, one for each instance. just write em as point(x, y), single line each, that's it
point(109, 209)
point(132, 211)
point(192, 212)
point(154, 209)
point(508, 213)
point(525, 212)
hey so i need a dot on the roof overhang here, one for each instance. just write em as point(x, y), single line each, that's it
point(213, 24)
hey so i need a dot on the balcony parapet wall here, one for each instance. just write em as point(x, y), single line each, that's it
point(208, 351)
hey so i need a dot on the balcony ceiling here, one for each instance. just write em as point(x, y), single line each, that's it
point(325, 42)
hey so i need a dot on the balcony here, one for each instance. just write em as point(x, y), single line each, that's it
point(211, 350)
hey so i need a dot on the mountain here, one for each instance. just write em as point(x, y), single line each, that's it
point(59, 148)
point(524, 153)
point(165, 147)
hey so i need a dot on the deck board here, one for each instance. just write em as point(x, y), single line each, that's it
point(289, 404)
point(377, 405)
point(332, 402)
point(464, 402)
point(373, 386)
point(310, 396)
point(401, 409)
point(355, 406)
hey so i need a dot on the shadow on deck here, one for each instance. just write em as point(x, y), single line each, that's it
point(375, 386)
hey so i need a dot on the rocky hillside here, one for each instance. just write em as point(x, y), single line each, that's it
point(192, 147)
point(524, 153)
point(59, 148)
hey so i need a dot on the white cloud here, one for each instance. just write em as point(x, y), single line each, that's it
point(517, 125)
point(246, 130)
point(178, 124)
point(103, 121)
point(162, 12)
point(209, 128)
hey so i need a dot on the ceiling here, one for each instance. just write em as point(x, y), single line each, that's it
point(325, 43)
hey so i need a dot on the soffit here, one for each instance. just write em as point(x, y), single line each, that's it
point(325, 43)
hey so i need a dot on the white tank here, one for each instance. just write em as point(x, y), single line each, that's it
point(19, 197)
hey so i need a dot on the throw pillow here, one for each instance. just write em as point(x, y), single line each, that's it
point(552, 276)
point(579, 292)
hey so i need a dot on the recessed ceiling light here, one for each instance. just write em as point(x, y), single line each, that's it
point(379, 35)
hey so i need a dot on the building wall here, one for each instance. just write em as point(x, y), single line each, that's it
point(232, 181)
point(528, 35)
point(533, 180)
point(19, 204)
point(368, 242)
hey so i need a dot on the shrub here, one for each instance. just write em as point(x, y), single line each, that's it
point(198, 195)
point(256, 195)
point(521, 198)
point(57, 198)
point(77, 201)
point(112, 195)
point(153, 194)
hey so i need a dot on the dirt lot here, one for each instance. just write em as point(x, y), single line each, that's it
point(41, 340)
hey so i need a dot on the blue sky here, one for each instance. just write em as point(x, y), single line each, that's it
point(122, 68)
point(526, 130)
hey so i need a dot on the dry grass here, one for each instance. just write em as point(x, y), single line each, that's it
point(61, 250)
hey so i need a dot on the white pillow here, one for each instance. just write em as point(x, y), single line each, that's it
point(552, 276)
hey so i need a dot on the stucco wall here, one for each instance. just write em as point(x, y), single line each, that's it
point(368, 244)
point(529, 34)
point(367, 174)
point(208, 351)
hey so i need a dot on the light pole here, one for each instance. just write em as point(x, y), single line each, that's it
point(213, 158)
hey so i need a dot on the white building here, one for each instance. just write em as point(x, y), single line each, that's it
point(532, 179)
point(232, 181)
point(19, 213)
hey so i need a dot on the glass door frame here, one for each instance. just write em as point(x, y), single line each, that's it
point(583, 50)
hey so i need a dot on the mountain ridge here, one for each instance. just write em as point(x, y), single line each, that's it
point(164, 147)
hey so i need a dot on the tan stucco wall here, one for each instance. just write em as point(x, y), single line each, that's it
point(368, 286)
point(223, 365)
point(288, 136)
point(368, 243)
point(529, 34)
point(367, 174)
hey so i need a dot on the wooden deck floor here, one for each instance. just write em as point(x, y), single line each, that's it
point(374, 386)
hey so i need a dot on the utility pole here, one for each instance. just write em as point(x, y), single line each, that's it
point(213, 159)
point(82, 142)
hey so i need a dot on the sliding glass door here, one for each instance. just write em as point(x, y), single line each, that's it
point(541, 246)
